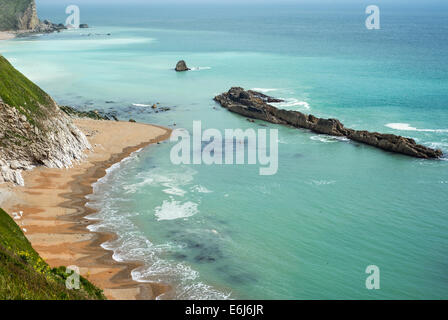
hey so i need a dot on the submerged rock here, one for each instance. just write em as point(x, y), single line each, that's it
point(181, 66)
point(255, 105)
point(92, 114)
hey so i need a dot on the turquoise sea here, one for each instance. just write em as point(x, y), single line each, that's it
point(334, 207)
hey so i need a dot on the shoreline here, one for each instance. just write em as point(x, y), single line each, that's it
point(53, 204)
point(7, 35)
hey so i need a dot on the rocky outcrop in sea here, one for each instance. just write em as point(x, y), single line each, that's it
point(48, 27)
point(256, 105)
point(181, 66)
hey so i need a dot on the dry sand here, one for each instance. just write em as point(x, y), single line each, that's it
point(53, 205)
point(5, 35)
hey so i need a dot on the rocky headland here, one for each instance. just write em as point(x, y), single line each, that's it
point(256, 105)
point(20, 17)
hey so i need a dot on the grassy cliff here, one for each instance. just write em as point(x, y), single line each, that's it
point(33, 129)
point(19, 92)
point(24, 275)
point(18, 15)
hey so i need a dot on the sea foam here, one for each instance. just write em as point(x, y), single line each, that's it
point(292, 103)
point(171, 180)
point(140, 105)
point(329, 139)
point(200, 189)
point(407, 127)
point(132, 245)
point(200, 68)
point(264, 90)
point(172, 210)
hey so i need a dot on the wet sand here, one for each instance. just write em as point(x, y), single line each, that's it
point(53, 205)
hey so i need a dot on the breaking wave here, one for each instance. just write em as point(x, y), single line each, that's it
point(407, 127)
point(264, 90)
point(200, 68)
point(131, 244)
point(292, 103)
point(172, 210)
point(329, 139)
point(140, 105)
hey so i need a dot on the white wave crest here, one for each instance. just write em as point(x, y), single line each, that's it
point(200, 189)
point(132, 245)
point(321, 182)
point(113, 168)
point(171, 180)
point(140, 105)
point(200, 68)
point(264, 90)
point(329, 139)
point(438, 145)
point(292, 103)
point(172, 210)
point(407, 127)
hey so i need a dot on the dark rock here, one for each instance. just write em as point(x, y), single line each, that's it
point(132, 120)
point(204, 259)
point(180, 256)
point(181, 66)
point(83, 26)
point(255, 105)
point(92, 114)
point(264, 97)
point(46, 26)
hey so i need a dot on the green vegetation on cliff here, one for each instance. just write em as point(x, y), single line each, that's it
point(16, 14)
point(24, 275)
point(18, 91)
point(33, 129)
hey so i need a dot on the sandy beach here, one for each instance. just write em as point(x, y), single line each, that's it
point(53, 206)
point(6, 35)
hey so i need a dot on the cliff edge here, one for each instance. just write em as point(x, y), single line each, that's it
point(18, 15)
point(33, 129)
point(24, 275)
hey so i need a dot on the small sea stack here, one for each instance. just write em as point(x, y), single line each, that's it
point(181, 66)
